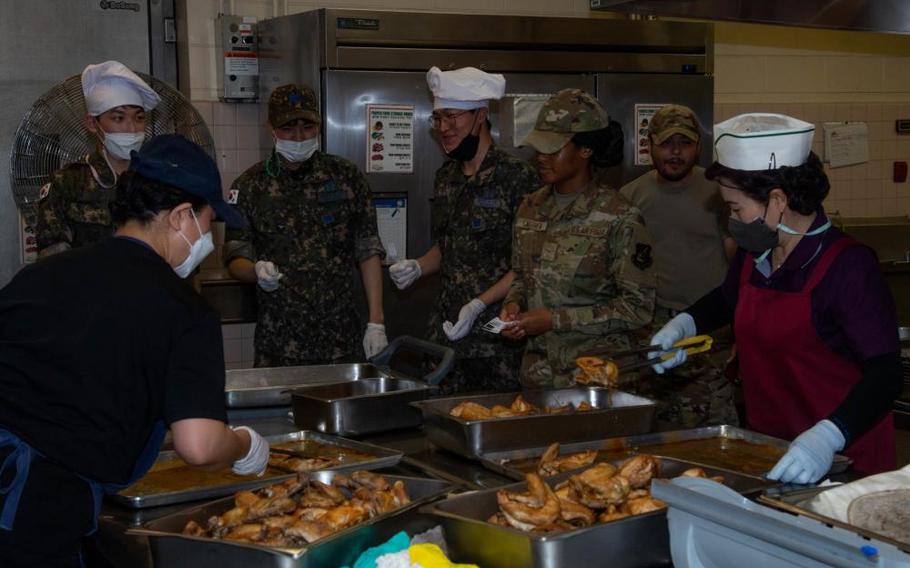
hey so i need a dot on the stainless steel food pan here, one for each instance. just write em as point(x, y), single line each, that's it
point(251, 388)
point(641, 540)
point(359, 407)
point(381, 457)
point(173, 549)
point(515, 463)
point(616, 414)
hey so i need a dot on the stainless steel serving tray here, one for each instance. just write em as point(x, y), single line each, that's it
point(640, 540)
point(355, 408)
point(251, 388)
point(171, 548)
point(617, 413)
point(382, 457)
point(502, 461)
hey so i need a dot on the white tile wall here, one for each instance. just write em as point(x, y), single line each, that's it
point(238, 345)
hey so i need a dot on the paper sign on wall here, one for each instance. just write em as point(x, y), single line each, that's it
point(643, 114)
point(390, 139)
point(846, 143)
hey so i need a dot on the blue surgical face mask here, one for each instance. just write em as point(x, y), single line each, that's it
point(198, 250)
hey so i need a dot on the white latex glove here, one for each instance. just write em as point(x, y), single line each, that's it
point(405, 272)
point(679, 328)
point(255, 460)
point(267, 275)
point(810, 454)
point(466, 317)
point(374, 340)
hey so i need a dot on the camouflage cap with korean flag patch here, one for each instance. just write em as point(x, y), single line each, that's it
point(564, 115)
point(292, 102)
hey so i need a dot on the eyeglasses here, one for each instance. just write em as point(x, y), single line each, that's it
point(436, 120)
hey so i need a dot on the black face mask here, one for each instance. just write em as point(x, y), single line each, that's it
point(467, 148)
point(755, 236)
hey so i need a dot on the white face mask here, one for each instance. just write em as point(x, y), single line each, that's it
point(294, 151)
point(198, 250)
point(120, 144)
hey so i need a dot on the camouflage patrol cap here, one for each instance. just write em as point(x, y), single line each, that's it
point(673, 119)
point(290, 102)
point(564, 115)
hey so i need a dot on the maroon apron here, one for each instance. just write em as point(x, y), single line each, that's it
point(791, 378)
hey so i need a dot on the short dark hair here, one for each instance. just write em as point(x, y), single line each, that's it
point(606, 145)
point(140, 198)
point(805, 186)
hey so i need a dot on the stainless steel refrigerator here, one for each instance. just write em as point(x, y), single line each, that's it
point(357, 59)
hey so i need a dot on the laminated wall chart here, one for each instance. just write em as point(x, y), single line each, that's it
point(846, 143)
point(390, 139)
point(392, 223)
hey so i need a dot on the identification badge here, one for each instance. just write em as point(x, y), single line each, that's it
point(329, 193)
point(531, 224)
point(548, 252)
point(488, 202)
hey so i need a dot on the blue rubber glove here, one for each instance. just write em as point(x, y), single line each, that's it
point(810, 454)
point(679, 328)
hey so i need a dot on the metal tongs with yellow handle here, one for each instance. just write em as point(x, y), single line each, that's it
point(594, 370)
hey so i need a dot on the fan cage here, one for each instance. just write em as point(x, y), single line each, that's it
point(52, 134)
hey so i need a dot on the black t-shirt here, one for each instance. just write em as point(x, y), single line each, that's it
point(98, 343)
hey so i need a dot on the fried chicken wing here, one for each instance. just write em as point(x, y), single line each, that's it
point(596, 371)
point(551, 464)
point(539, 507)
point(640, 470)
point(644, 505)
point(471, 411)
point(521, 407)
point(699, 472)
point(600, 486)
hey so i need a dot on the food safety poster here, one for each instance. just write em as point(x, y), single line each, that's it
point(643, 114)
point(390, 139)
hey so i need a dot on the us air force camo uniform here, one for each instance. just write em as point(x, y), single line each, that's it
point(688, 222)
point(472, 224)
point(72, 211)
point(317, 223)
point(590, 264)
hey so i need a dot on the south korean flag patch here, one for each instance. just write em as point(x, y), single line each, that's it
point(232, 196)
point(45, 191)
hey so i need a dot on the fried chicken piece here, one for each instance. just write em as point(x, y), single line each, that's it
point(699, 472)
point(644, 505)
point(309, 531)
point(279, 522)
point(370, 479)
point(596, 371)
point(471, 411)
point(245, 498)
point(521, 514)
point(500, 411)
point(231, 518)
point(310, 513)
point(400, 493)
point(251, 532)
point(639, 470)
point(550, 464)
point(638, 493)
point(522, 407)
point(585, 406)
point(498, 519)
point(310, 464)
point(574, 512)
point(600, 486)
point(556, 526)
point(611, 515)
point(343, 516)
point(320, 494)
point(559, 409)
point(193, 528)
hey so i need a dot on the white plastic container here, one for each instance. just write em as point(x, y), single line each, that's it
point(712, 526)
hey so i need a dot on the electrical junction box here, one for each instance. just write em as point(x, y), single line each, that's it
point(238, 73)
point(902, 125)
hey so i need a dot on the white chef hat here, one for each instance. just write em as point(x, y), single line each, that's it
point(465, 88)
point(762, 141)
point(111, 84)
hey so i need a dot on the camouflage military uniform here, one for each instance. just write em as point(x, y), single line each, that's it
point(590, 264)
point(472, 224)
point(316, 223)
point(73, 210)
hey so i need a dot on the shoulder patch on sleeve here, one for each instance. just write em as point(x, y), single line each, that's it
point(642, 257)
point(232, 196)
point(45, 190)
